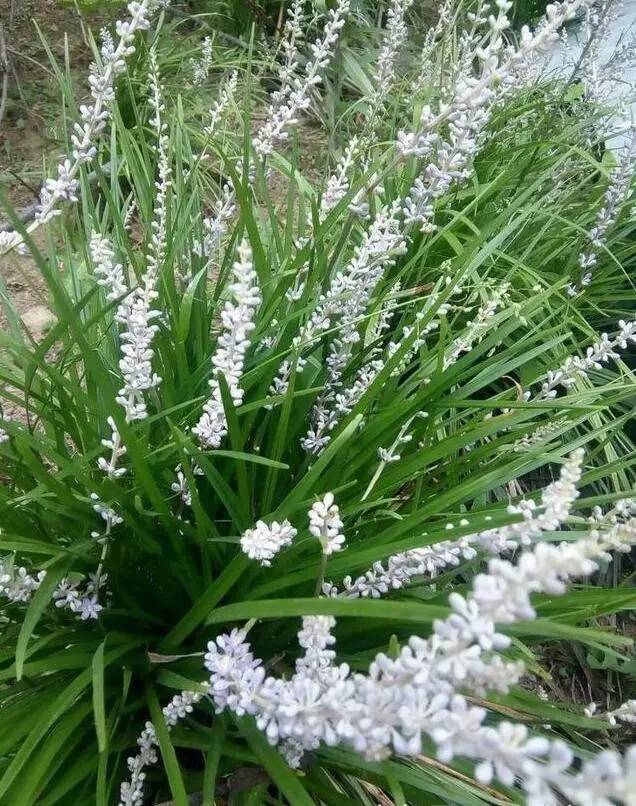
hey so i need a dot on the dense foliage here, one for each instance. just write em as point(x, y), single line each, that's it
point(374, 396)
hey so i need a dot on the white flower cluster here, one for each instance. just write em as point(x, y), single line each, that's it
point(264, 541)
point(338, 183)
point(221, 105)
point(131, 791)
point(295, 96)
point(181, 485)
point(578, 367)
point(17, 585)
point(325, 524)
point(346, 300)
point(615, 195)
point(96, 114)
point(233, 342)
point(478, 327)
point(556, 503)
point(83, 601)
point(416, 693)
point(390, 455)
point(108, 515)
point(135, 312)
point(626, 712)
point(393, 42)
point(201, 67)
point(433, 36)
point(352, 288)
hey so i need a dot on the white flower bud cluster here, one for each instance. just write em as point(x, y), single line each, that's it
point(341, 403)
point(201, 67)
point(296, 94)
point(604, 81)
point(353, 287)
point(292, 97)
point(5, 417)
point(540, 435)
point(137, 317)
point(479, 327)
point(233, 343)
point(578, 367)
point(224, 101)
point(181, 485)
point(131, 791)
point(400, 699)
point(433, 36)
point(293, 34)
point(325, 524)
point(108, 514)
point(466, 115)
point(157, 248)
point(110, 274)
point(395, 36)
point(619, 183)
point(468, 110)
point(264, 541)
point(390, 455)
point(339, 181)
point(96, 114)
point(16, 584)
point(9, 239)
point(346, 299)
point(626, 712)
point(135, 313)
point(557, 500)
point(216, 226)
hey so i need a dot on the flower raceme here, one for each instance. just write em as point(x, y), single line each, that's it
point(418, 692)
point(237, 321)
point(424, 690)
point(94, 115)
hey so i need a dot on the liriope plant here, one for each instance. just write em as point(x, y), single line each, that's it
point(254, 415)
